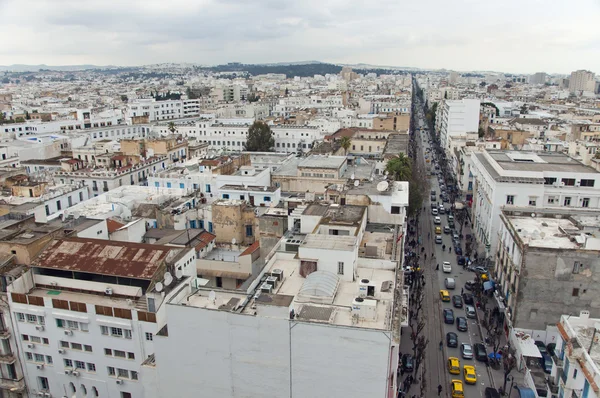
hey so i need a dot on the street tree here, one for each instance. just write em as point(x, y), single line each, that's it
point(172, 128)
point(345, 142)
point(422, 343)
point(400, 168)
point(260, 138)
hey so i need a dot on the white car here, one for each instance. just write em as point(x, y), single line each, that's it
point(446, 267)
point(437, 220)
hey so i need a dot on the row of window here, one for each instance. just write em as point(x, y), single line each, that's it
point(79, 365)
point(37, 319)
point(35, 339)
point(76, 346)
point(39, 358)
point(122, 373)
point(119, 354)
point(570, 182)
point(585, 202)
point(116, 332)
point(318, 175)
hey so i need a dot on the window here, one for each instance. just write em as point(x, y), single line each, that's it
point(29, 356)
point(39, 358)
point(549, 180)
point(119, 353)
point(95, 392)
point(91, 367)
point(149, 336)
point(35, 339)
point(111, 371)
point(43, 383)
point(104, 330)
point(20, 316)
point(128, 334)
point(574, 373)
point(24, 337)
point(225, 196)
point(45, 340)
point(168, 185)
point(267, 199)
point(130, 355)
point(567, 201)
point(125, 394)
point(64, 344)
point(87, 348)
point(248, 230)
point(586, 183)
point(58, 205)
point(510, 199)
point(532, 200)
point(340, 268)
point(68, 363)
point(575, 292)
point(551, 200)
point(107, 351)
point(134, 375)
point(31, 318)
point(76, 346)
point(123, 373)
point(79, 365)
point(576, 267)
point(49, 360)
point(568, 181)
point(585, 202)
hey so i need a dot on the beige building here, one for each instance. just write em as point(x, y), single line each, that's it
point(174, 148)
point(311, 174)
point(229, 268)
point(514, 137)
point(234, 219)
point(582, 80)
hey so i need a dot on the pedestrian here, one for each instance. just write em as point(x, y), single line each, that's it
point(439, 389)
point(437, 267)
point(441, 345)
point(462, 290)
point(425, 256)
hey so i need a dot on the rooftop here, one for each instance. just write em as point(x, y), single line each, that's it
point(322, 162)
point(96, 256)
point(251, 188)
point(553, 233)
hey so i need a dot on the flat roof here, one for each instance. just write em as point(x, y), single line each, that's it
point(536, 161)
point(251, 188)
point(322, 162)
point(96, 256)
point(329, 242)
point(544, 232)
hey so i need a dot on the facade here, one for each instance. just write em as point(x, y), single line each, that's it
point(582, 80)
point(546, 265)
point(537, 180)
point(163, 110)
point(538, 78)
point(85, 324)
point(455, 119)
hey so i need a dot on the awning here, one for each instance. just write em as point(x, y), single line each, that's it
point(525, 392)
point(222, 274)
point(488, 285)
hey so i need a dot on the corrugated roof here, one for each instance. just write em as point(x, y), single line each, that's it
point(251, 249)
point(113, 225)
point(96, 256)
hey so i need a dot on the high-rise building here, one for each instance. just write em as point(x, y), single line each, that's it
point(538, 78)
point(582, 80)
point(456, 118)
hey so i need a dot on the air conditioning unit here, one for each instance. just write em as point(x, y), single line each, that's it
point(68, 332)
point(30, 345)
point(40, 393)
point(266, 288)
point(39, 366)
point(108, 291)
point(272, 280)
point(40, 328)
point(68, 371)
point(47, 394)
point(61, 351)
point(75, 373)
point(119, 381)
point(278, 274)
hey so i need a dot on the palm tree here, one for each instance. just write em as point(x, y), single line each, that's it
point(345, 142)
point(400, 168)
point(172, 127)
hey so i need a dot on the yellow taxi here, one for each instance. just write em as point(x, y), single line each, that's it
point(469, 374)
point(457, 389)
point(438, 230)
point(453, 366)
point(444, 295)
point(484, 277)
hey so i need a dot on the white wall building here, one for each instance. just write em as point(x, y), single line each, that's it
point(455, 119)
point(522, 179)
point(163, 110)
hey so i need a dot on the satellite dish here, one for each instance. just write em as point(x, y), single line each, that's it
point(356, 183)
point(352, 176)
point(212, 296)
point(178, 274)
point(233, 241)
point(543, 235)
point(168, 278)
point(159, 287)
point(265, 189)
point(532, 214)
point(382, 186)
point(386, 172)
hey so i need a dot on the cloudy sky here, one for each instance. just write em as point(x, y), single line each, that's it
point(556, 36)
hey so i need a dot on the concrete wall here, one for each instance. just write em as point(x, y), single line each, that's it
point(222, 354)
point(133, 233)
point(230, 222)
point(545, 290)
point(96, 231)
point(327, 260)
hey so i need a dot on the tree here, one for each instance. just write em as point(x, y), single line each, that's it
point(124, 98)
point(345, 142)
point(399, 168)
point(260, 138)
point(19, 120)
point(172, 128)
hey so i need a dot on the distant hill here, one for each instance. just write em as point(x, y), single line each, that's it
point(35, 68)
point(290, 70)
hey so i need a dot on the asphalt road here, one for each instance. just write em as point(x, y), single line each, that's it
point(436, 329)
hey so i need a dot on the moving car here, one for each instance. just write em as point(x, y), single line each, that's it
point(438, 230)
point(442, 210)
point(461, 324)
point(446, 229)
point(450, 283)
point(480, 353)
point(448, 316)
point(438, 239)
point(451, 339)
point(469, 374)
point(447, 267)
point(407, 363)
point(456, 387)
point(453, 366)
point(444, 295)
point(470, 311)
point(437, 220)
point(434, 212)
point(466, 351)
point(457, 301)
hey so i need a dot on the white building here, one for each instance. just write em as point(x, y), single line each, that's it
point(163, 110)
point(527, 179)
point(582, 80)
point(87, 311)
point(316, 313)
point(455, 119)
point(538, 78)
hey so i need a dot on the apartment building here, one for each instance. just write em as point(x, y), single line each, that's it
point(455, 119)
point(527, 179)
point(173, 148)
point(85, 314)
point(582, 80)
point(316, 310)
point(157, 111)
point(546, 264)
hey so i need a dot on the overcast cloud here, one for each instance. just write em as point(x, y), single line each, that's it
point(556, 36)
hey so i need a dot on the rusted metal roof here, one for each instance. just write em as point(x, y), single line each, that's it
point(251, 249)
point(96, 256)
point(113, 225)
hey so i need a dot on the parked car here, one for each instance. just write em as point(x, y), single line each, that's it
point(460, 260)
point(470, 311)
point(457, 301)
point(480, 270)
point(551, 349)
point(407, 363)
point(461, 324)
point(442, 209)
point(451, 339)
point(480, 353)
point(466, 351)
point(546, 363)
point(448, 316)
point(541, 346)
point(469, 285)
point(446, 267)
point(458, 250)
point(491, 393)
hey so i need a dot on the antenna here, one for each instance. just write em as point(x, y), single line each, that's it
point(158, 287)
point(352, 176)
point(168, 278)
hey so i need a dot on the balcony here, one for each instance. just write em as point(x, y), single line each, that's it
point(14, 385)
point(4, 333)
point(8, 358)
